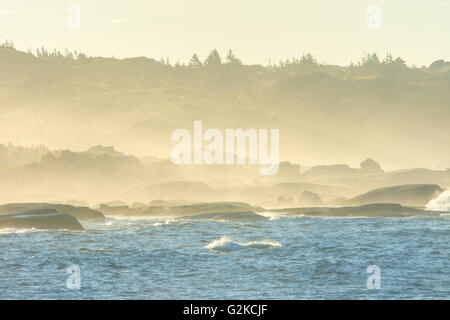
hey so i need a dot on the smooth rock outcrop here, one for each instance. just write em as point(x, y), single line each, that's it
point(413, 195)
point(44, 219)
point(80, 213)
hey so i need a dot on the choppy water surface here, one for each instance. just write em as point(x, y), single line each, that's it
point(285, 258)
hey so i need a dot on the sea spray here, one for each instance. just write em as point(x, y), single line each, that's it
point(441, 203)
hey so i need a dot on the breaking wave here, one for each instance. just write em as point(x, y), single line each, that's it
point(225, 244)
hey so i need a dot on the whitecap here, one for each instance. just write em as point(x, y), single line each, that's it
point(164, 223)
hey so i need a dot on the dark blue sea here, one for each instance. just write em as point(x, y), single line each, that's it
point(281, 258)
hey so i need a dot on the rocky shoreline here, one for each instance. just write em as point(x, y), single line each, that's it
point(57, 216)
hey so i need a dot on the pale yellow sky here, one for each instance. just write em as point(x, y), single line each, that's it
point(335, 31)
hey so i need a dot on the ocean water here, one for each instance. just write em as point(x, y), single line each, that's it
point(282, 258)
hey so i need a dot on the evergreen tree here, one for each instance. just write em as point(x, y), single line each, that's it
point(370, 60)
point(232, 60)
point(213, 60)
point(399, 62)
point(388, 59)
point(195, 62)
point(308, 60)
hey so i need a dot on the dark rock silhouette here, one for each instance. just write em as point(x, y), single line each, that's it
point(439, 64)
point(285, 201)
point(101, 151)
point(371, 166)
point(333, 171)
point(309, 198)
point(115, 203)
point(287, 168)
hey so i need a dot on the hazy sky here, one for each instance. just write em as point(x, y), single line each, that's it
point(335, 31)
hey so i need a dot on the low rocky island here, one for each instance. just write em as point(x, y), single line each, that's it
point(381, 210)
point(178, 210)
point(61, 216)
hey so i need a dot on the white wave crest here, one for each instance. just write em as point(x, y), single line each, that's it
point(167, 222)
point(441, 203)
point(225, 244)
